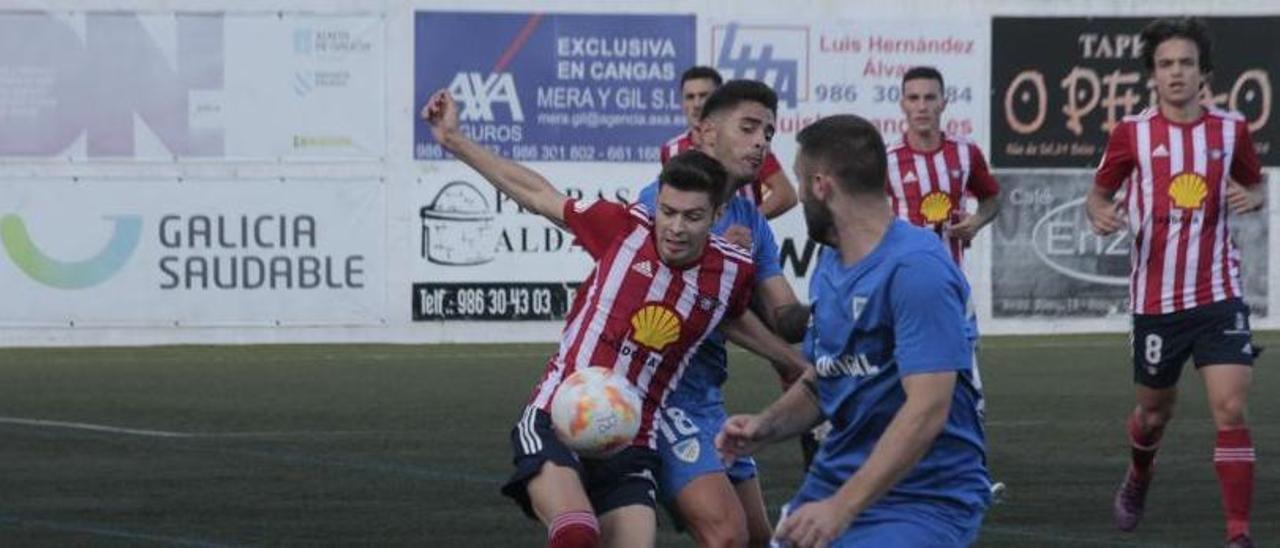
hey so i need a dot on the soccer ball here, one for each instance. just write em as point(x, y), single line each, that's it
point(595, 412)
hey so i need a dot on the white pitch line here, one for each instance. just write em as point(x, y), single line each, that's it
point(188, 435)
point(93, 427)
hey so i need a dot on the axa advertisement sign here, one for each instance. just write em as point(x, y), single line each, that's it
point(555, 87)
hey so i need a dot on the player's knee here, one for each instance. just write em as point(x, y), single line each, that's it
point(1229, 412)
point(1154, 418)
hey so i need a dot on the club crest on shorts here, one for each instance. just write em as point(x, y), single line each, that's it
point(687, 450)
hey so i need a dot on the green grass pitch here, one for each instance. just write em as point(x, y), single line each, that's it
point(407, 445)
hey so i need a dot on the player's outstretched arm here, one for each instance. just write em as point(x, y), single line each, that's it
point(779, 195)
point(796, 411)
point(906, 439)
point(525, 186)
point(750, 333)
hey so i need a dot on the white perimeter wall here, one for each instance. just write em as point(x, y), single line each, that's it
point(352, 195)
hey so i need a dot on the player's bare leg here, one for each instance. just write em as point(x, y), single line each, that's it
point(1227, 386)
point(759, 530)
point(1146, 425)
point(633, 526)
point(562, 504)
point(711, 511)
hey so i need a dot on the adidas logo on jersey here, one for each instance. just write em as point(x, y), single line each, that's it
point(1160, 152)
point(910, 178)
point(644, 268)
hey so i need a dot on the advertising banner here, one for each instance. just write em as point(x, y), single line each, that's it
point(479, 256)
point(1061, 84)
point(78, 86)
point(1047, 262)
point(227, 252)
point(555, 87)
point(820, 68)
point(825, 67)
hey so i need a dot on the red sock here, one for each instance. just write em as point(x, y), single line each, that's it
point(1233, 459)
point(574, 530)
point(1143, 447)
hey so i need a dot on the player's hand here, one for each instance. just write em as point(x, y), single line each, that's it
point(963, 226)
point(1106, 218)
point(814, 524)
point(1241, 199)
point(740, 435)
point(739, 235)
point(441, 114)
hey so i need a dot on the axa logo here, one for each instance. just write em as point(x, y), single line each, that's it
point(126, 231)
point(479, 93)
point(775, 55)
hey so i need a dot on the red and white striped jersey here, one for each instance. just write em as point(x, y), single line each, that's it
point(753, 192)
point(927, 188)
point(638, 316)
point(1176, 176)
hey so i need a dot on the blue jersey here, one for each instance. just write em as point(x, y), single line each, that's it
point(701, 382)
point(901, 310)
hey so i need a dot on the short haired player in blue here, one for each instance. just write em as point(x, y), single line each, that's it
point(703, 493)
point(904, 463)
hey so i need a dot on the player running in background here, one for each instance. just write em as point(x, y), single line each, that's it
point(903, 464)
point(931, 172)
point(658, 289)
point(723, 505)
point(1184, 167)
point(770, 190)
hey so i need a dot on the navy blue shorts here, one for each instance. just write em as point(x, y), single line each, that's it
point(624, 479)
point(1216, 333)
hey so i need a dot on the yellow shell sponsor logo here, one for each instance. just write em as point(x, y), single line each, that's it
point(936, 207)
point(655, 326)
point(1188, 190)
